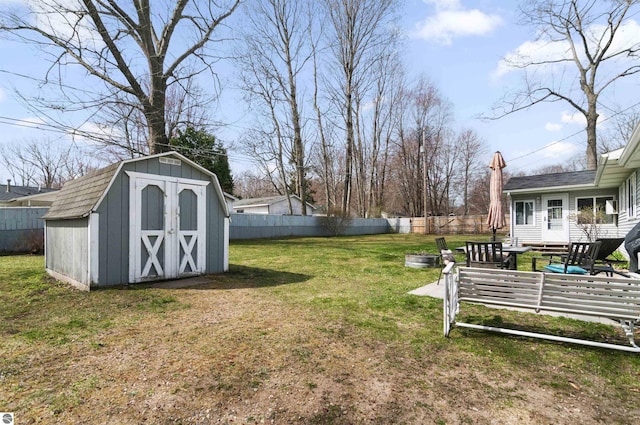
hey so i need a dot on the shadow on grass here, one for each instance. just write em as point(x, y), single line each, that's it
point(238, 277)
point(507, 345)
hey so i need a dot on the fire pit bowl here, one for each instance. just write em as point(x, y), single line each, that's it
point(421, 261)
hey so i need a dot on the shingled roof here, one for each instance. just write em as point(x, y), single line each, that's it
point(14, 192)
point(542, 181)
point(267, 200)
point(79, 196)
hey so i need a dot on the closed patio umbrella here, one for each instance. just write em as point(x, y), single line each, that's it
point(495, 219)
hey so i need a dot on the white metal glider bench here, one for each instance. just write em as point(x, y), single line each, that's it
point(613, 298)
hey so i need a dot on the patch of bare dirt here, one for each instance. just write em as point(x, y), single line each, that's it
point(238, 357)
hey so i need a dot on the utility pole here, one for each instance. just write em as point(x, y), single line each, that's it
point(423, 151)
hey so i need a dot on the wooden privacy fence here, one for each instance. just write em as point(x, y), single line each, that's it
point(455, 224)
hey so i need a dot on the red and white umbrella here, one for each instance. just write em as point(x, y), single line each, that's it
point(496, 219)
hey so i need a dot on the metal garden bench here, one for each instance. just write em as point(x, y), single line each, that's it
point(607, 297)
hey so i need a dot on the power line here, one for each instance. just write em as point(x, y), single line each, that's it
point(573, 134)
point(58, 83)
point(95, 135)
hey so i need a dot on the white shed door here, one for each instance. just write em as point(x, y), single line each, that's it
point(167, 227)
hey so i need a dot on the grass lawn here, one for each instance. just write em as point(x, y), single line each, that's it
point(302, 331)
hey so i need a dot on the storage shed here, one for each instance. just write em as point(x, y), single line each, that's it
point(152, 218)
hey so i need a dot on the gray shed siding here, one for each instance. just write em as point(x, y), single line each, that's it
point(68, 249)
point(114, 220)
point(215, 233)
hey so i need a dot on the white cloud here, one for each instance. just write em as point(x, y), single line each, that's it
point(573, 118)
point(89, 131)
point(567, 117)
point(65, 19)
point(556, 149)
point(452, 20)
point(552, 126)
point(532, 52)
point(544, 49)
point(579, 118)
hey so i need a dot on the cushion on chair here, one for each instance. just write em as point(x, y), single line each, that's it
point(447, 256)
point(559, 268)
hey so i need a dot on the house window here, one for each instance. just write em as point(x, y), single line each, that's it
point(524, 213)
point(630, 196)
point(593, 210)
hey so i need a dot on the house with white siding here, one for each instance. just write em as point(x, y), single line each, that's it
point(272, 205)
point(545, 208)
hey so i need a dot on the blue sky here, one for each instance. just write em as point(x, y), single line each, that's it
point(457, 44)
point(463, 52)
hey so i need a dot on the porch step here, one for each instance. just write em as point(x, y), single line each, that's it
point(548, 247)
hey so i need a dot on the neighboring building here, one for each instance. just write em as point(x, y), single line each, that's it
point(230, 199)
point(272, 205)
point(151, 218)
point(545, 208)
point(25, 196)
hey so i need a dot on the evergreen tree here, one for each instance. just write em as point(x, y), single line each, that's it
point(203, 148)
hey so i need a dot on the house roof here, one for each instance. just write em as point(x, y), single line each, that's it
point(569, 180)
point(16, 192)
point(258, 202)
point(79, 197)
point(265, 201)
point(39, 199)
point(230, 197)
point(613, 169)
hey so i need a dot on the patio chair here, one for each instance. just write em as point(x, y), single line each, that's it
point(446, 255)
point(604, 262)
point(580, 259)
point(486, 255)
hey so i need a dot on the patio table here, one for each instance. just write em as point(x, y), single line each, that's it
point(513, 252)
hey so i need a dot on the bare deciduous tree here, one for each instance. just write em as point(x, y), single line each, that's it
point(619, 130)
point(139, 49)
point(47, 164)
point(276, 51)
point(591, 51)
point(374, 103)
point(423, 162)
point(122, 128)
point(252, 185)
point(357, 29)
point(472, 153)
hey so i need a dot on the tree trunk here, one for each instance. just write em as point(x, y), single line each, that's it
point(348, 160)
point(592, 146)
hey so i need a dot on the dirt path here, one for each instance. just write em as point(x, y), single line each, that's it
point(239, 357)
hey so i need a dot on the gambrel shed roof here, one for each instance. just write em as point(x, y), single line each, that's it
point(79, 197)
